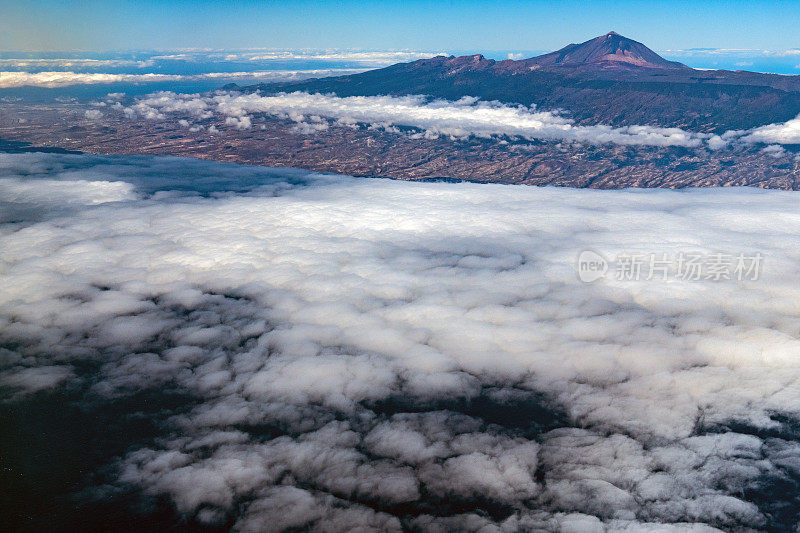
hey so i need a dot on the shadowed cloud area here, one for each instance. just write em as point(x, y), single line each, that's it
point(210, 346)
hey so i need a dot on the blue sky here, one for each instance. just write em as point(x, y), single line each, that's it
point(463, 25)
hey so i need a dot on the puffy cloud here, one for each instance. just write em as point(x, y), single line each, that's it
point(464, 117)
point(782, 133)
point(36, 379)
point(716, 142)
point(93, 114)
point(240, 123)
point(467, 116)
point(334, 353)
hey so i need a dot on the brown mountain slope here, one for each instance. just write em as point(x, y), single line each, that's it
point(611, 50)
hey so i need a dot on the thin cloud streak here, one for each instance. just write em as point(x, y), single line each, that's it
point(63, 79)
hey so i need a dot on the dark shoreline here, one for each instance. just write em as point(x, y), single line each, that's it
point(21, 147)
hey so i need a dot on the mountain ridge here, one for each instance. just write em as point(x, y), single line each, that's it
point(610, 50)
point(610, 79)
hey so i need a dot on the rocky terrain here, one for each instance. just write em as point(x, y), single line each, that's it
point(369, 152)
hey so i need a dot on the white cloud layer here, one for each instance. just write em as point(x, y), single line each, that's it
point(76, 63)
point(367, 58)
point(374, 57)
point(382, 355)
point(746, 52)
point(465, 117)
point(65, 78)
point(468, 116)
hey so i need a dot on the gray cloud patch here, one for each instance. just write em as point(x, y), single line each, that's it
point(323, 352)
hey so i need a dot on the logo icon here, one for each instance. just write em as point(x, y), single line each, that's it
point(591, 266)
